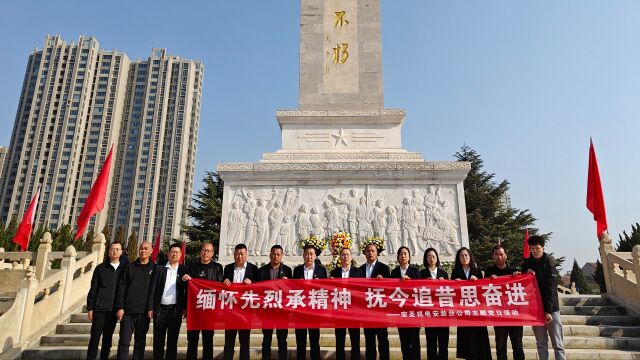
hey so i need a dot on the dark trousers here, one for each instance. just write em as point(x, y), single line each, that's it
point(515, 334)
point(301, 343)
point(354, 336)
point(410, 343)
point(166, 324)
point(437, 343)
point(193, 336)
point(281, 335)
point(136, 325)
point(103, 324)
point(230, 343)
point(370, 336)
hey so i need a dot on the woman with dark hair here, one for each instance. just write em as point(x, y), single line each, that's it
point(473, 342)
point(409, 337)
point(437, 337)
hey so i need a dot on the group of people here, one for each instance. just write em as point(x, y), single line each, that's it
point(141, 291)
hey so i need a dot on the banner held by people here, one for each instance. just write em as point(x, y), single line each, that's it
point(364, 303)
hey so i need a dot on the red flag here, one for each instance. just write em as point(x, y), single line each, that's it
point(24, 229)
point(156, 248)
point(595, 198)
point(97, 195)
point(184, 250)
point(525, 248)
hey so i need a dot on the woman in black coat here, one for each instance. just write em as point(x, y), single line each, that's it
point(409, 337)
point(437, 337)
point(473, 342)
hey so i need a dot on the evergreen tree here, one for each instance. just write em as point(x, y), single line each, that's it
point(7, 235)
point(132, 246)
point(488, 218)
point(577, 277)
point(88, 240)
point(37, 235)
point(62, 238)
point(205, 213)
point(106, 231)
point(598, 277)
point(121, 236)
point(627, 242)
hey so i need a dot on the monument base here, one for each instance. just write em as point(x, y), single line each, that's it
point(408, 202)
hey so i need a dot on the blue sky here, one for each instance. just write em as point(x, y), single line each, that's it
point(523, 83)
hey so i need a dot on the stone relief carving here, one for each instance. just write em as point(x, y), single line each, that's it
point(417, 217)
point(347, 166)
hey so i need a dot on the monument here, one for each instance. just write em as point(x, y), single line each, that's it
point(342, 164)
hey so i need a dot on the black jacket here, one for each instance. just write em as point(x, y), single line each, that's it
point(412, 272)
point(547, 281)
point(458, 273)
point(319, 272)
point(426, 274)
point(494, 270)
point(264, 273)
point(104, 283)
point(210, 271)
point(157, 288)
point(133, 287)
point(354, 272)
point(250, 273)
point(378, 269)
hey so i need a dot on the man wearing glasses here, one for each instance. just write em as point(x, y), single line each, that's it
point(207, 269)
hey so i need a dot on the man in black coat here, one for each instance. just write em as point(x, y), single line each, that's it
point(239, 272)
point(501, 268)
point(540, 264)
point(166, 304)
point(346, 271)
point(309, 270)
point(131, 303)
point(206, 269)
point(100, 300)
point(275, 269)
point(374, 269)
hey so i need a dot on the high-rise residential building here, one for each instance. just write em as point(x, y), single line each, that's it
point(3, 155)
point(77, 101)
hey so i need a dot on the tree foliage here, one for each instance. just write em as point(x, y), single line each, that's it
point(577, 277)
point(132, 246)
point(205, 213)
point(489, 219)
point(627, 242)
point(598, 277)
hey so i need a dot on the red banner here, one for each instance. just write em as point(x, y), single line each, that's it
point(364, 303)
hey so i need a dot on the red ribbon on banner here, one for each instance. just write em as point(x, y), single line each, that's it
point(364, 303)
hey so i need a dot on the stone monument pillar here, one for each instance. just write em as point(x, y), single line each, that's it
point(342, 164)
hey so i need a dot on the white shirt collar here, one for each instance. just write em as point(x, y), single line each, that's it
point(169, 266)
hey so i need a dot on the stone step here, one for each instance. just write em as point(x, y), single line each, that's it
point(569, 330)
point(584, 300)
point(593, 310)
point(80, 352)
point(328, 340)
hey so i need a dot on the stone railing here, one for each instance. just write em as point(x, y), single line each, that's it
point(620, 269)
point(44, 295)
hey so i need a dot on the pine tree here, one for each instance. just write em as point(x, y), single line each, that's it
point(206, 212)
point(577, 277)
point(132, 247)
point(488, 218)
point(598, 277)
point(121, 236)
point(627, 242)
point(7, 235)
point(106, 231)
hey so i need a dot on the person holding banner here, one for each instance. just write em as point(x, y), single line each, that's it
point(238, 272)
point(347, 271)
point(376, 270)
point(409, 336)
point(308, 271)
point(437, 337)
point(275, 269)
point(501, 268)
point(473, 342)
point(206, 269)
point(540, 264)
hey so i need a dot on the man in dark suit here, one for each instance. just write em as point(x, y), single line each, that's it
point(309, 270)
point(346, 271)
point(206, 269)
point(374, 269)
point(275, 269)
point(166, 304)
point(239, 272)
